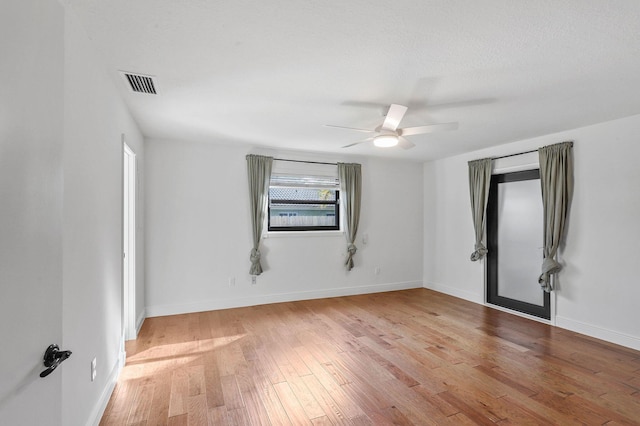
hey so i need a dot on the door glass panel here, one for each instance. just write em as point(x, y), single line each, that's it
point(520, 241)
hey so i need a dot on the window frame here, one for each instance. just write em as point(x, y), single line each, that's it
point(335, 203)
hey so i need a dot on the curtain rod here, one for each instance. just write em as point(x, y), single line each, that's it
point(308, 162)
point(522, 153)
point(513, 155)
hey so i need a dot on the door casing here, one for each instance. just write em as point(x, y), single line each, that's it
point(129, 243)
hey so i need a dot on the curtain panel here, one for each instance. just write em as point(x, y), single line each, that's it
point(350, 175)
point(479, 181)
point(556, 180)
point(259, 173)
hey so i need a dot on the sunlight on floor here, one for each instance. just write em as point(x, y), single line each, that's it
point(171, 356)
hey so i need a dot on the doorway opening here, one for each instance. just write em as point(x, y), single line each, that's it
point(514, 243)
point(129, 243)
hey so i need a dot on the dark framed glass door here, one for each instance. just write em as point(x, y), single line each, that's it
point(514, 242)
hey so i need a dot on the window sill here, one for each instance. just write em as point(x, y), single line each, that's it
point(297, 234)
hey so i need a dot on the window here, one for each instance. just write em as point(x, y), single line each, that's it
point(303, 203)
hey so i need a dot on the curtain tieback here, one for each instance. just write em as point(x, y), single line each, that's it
point(255, 256)
point(479, 253)
point(549, 267)
point(256, 267)
point(351, 251)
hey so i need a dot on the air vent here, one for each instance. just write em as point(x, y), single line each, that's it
point(140, 83)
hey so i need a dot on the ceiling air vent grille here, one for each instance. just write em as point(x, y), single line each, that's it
point(140, 83)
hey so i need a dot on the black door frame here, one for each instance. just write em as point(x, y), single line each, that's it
point(543, 312)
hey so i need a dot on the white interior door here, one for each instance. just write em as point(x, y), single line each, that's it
point(31, 281)
point(31, 191)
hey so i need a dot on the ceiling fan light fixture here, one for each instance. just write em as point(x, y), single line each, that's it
point(388, 134)
point(385, 141)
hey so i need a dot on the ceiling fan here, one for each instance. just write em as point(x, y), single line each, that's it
point(388, 134)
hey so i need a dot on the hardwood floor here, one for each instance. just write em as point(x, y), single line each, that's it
point(407, 357)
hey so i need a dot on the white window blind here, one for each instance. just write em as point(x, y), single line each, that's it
point(288, 173)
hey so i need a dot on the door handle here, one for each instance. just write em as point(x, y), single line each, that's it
point(53, 356)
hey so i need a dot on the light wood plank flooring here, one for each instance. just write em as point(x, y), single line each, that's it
point(407, 357)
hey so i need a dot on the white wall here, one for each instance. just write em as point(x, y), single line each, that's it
point(95, 120)
point(598, 288)
point(31, 138)
point(198, 233)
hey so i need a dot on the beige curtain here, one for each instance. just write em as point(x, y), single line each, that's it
point(259, 172)
point(556, 179)
point(350, 175)
point(479, 180)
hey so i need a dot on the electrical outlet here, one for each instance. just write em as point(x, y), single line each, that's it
point(232, 281)
point(93, 369)
point(254, 279)
point(377, 270)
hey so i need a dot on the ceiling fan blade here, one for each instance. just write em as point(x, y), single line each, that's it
point(357, 143)
point(350, 128)
point(394, 116)
point(408, 131)
point(405, 143)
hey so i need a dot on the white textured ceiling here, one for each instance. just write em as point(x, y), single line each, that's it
point(272, 72)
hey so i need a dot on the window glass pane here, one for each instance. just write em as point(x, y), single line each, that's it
point(303, 208)
point(520, 219)
point(303, 215)
point(303, 203)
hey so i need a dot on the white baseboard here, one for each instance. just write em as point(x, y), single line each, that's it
point(98, 410)
point(122, 360)
point(456, 292)
point(562, 322)
point(599, 332)
point(213, 305)
point(140, 321)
